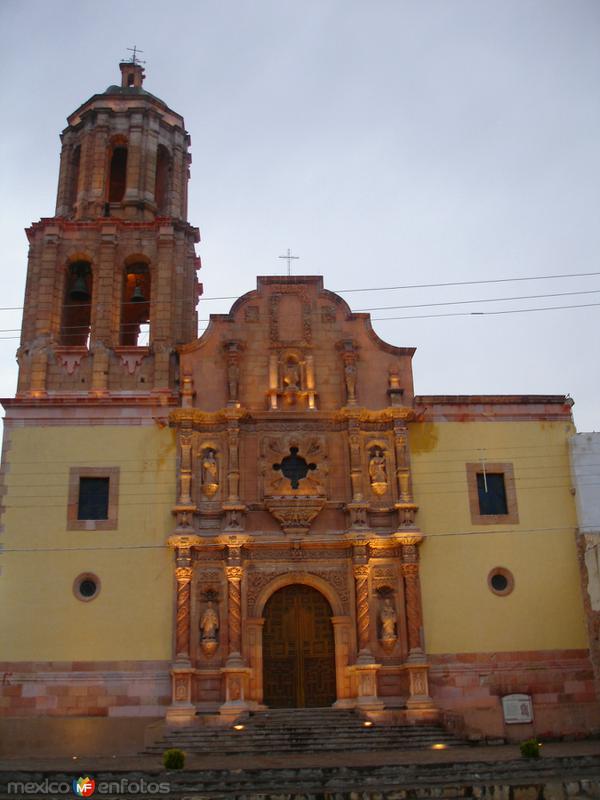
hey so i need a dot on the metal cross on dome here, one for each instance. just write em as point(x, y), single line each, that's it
point(289, 257)
point(135, 51)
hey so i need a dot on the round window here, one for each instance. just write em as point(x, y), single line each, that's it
point(501, 581)
point(86, 586)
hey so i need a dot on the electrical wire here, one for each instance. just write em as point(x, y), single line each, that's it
point(433, 535)
point(392, 288)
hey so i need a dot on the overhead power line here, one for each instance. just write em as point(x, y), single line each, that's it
point(404, 286)
point(428, 535)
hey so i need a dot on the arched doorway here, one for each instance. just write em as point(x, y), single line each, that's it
point(298, 649)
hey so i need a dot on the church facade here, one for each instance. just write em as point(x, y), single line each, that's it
point(265, 516)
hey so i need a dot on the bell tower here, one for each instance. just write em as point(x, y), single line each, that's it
point(111, 277)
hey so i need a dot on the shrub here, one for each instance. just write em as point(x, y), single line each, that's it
point(530, 748)
point(174, 758)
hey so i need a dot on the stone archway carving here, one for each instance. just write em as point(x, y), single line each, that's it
point(342, 629)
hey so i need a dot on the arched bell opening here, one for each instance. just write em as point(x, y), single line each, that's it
point(298, 649)
point(74, 164)
point(77, 305)
point(135, 305)
point(117, 180)
point(163, 180)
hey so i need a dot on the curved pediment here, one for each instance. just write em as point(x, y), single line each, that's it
point(291, 345)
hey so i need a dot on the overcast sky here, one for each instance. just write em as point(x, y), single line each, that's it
point(386, 143)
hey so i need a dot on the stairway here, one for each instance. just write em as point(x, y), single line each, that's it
point(302, 730)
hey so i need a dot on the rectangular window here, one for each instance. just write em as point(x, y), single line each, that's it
point(492, 494)
point(93, 499)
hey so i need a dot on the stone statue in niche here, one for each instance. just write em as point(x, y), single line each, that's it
point(388, 619)
point(209, 625)
point(350, 376)
point(209, 472)
point(291, 375)
point(378, 471)
point(233, 380)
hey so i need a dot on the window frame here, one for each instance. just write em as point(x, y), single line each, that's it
point(109, 524)
point(507, 470)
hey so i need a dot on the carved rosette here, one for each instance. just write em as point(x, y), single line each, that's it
point(234, 579)
point(361, 577)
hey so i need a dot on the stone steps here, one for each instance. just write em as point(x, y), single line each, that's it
point(302, 731)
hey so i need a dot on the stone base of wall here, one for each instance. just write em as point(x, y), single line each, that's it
point(560, 682)
point(84, 737)
point(84, 689)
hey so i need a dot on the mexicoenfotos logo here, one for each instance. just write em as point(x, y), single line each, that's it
point(84, 787)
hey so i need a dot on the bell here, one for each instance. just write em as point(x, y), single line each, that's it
point(138, 295)
point(79, 290)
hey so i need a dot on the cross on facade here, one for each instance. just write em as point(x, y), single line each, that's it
point(289, 257)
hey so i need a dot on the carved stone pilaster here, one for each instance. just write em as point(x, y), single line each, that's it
point(185, 469)
point(233, 473)
point(349, 359)
point(232, 353)
point(356, 473)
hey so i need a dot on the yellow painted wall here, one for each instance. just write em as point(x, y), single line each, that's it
point(461, 614)
point(131, 618)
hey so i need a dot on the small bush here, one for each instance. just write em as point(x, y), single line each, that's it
point(530, 748)
point(174, 758)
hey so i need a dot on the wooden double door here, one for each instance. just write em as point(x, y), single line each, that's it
point(298, 649)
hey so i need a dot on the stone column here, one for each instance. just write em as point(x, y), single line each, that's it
point(365, 670)
point(361, 577)
point(414, 614)
point(181, 708)
point(236, 674)
point(183, 575)
point(419, 699)
point(234, 579)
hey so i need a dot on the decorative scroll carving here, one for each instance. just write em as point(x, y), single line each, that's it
point(384, 576)
point(335, 577)
point(295, 514)
point(275, 331)
point(197, 417)
point(384, 415)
